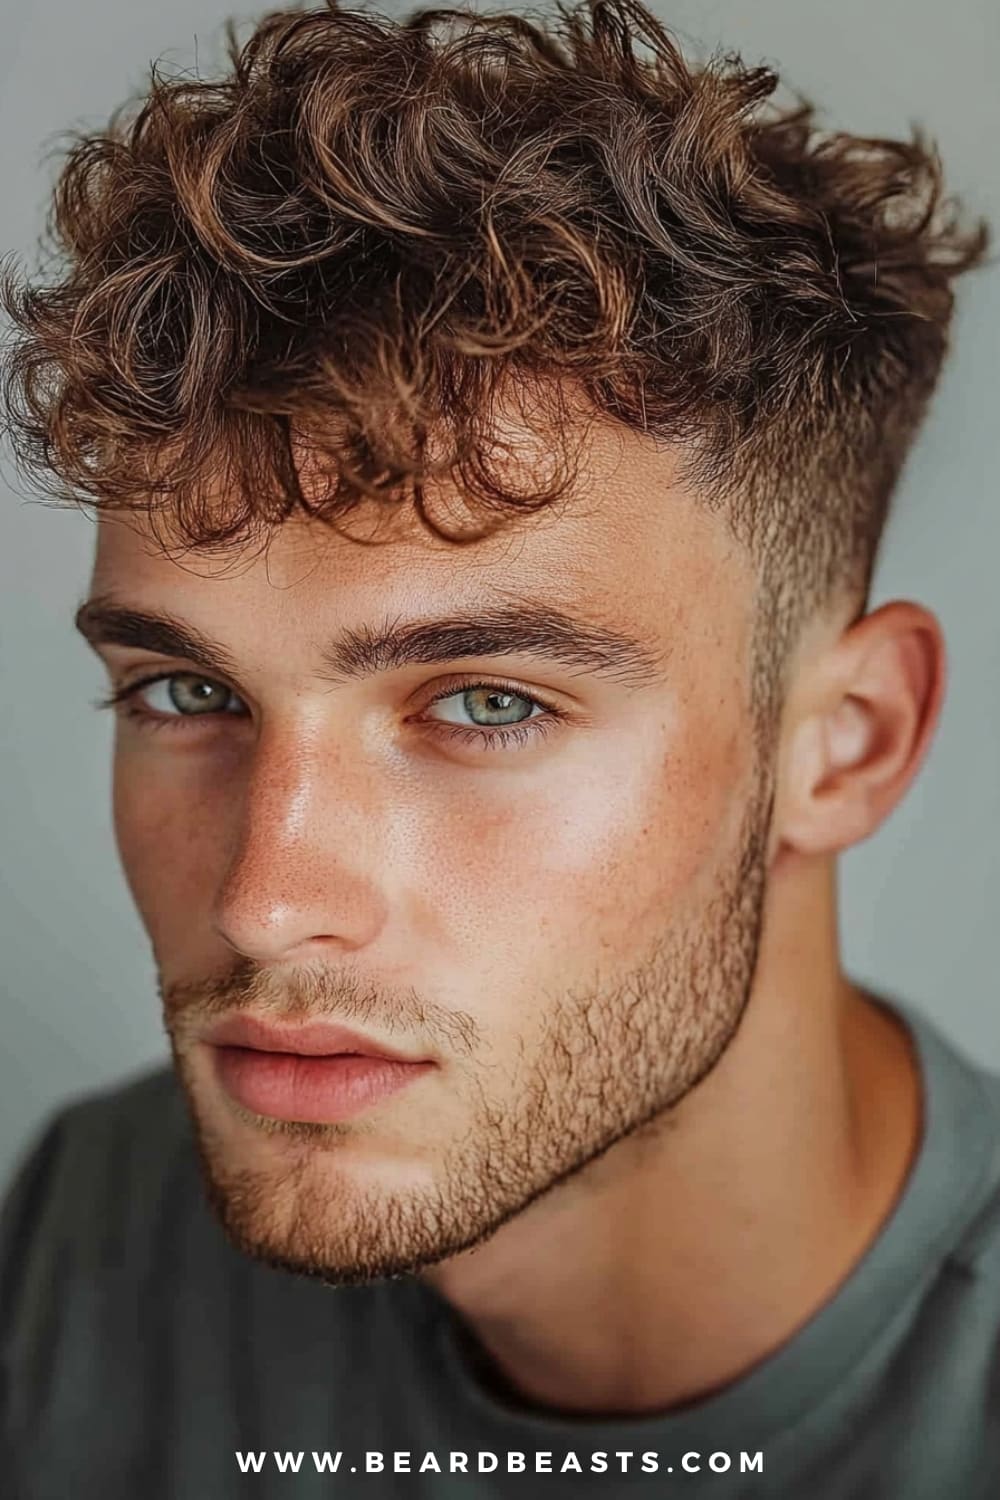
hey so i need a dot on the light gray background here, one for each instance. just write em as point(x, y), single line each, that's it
point(920, 900)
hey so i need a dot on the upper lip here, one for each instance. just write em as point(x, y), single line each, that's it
point(309, 1039)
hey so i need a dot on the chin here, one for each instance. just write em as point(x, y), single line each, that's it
point(337, 1226)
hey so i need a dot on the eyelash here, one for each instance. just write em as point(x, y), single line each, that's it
point(486, 739)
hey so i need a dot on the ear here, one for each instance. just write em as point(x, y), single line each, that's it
point(860, 716)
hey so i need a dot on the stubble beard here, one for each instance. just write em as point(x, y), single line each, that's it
point(615, 1059)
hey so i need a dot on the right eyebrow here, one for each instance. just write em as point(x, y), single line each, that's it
point(103, 623)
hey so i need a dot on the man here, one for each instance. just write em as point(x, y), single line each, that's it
point(491, 429)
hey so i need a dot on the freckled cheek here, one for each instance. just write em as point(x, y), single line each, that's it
point(171, 839)
point(585, 856)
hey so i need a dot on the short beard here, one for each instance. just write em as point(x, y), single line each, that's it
point(614, 1062)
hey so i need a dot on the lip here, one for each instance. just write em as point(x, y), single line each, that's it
point(306, 1039)
point(309, 1071)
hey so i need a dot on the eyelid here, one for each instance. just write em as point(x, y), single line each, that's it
point(470, 684)
point(156, 673)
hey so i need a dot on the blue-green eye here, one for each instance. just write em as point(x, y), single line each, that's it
point(176, 695)
point(502, 716)
point(498, 706)
point(189, 695)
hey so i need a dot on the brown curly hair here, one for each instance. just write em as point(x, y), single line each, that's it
point(368, 226)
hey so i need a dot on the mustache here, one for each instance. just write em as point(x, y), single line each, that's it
point(311, 992)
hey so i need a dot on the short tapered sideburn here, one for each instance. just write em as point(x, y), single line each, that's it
point(367, 228)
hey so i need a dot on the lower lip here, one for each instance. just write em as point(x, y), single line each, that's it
point(319, 1090)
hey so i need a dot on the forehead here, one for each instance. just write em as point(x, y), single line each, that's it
point(627, 544)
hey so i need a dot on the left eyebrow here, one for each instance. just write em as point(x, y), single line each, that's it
point(529, 629)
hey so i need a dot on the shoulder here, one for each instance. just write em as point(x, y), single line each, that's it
point(966, 1100)
point(92, 1176)
point(126, 1314)
point(102, 1223)
point(977, 1251)
point(145, 1110)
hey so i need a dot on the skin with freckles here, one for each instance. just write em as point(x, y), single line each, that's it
point(662, 1124)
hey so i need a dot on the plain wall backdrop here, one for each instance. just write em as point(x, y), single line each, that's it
point(920, 901)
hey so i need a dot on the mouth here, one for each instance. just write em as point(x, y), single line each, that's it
point(313, 1072)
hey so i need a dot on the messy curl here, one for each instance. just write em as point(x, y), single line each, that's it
point(368, 228)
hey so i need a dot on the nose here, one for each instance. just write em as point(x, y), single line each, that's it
point(298, 881)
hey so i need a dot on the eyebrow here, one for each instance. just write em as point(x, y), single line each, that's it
point(529, 628)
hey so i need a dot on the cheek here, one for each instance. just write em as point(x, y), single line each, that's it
point(167, 842)
point(612, 844)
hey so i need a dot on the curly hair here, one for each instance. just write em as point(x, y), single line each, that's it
point(367, 227)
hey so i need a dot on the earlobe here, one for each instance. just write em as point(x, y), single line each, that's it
point(873, 701)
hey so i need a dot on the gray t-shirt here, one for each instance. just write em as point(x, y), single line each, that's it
point(144, 1357)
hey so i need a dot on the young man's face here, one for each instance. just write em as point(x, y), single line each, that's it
point(563, 926)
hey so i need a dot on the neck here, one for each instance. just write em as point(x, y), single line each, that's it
point(693, 1249)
